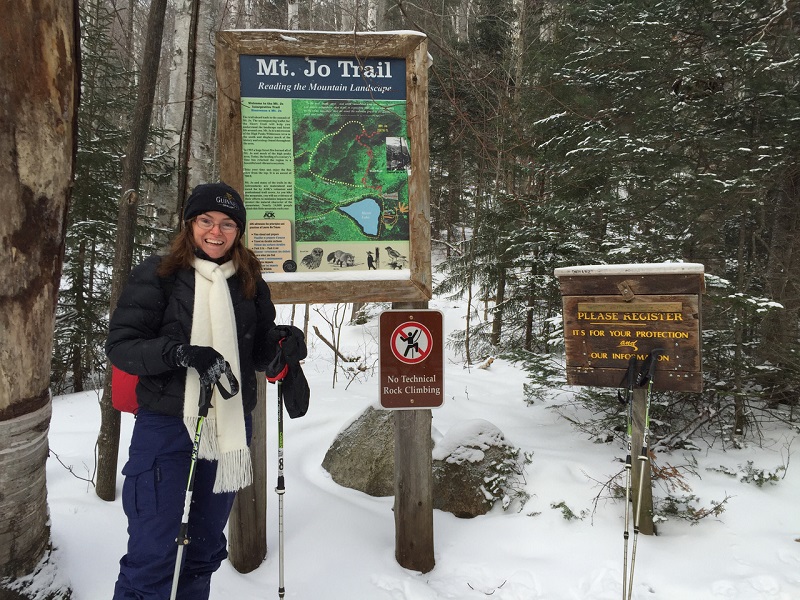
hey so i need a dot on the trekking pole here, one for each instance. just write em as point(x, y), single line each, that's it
point(629, 381)
point(276, 371)
point(202, 412)
point(645, 378)
point(280, 489)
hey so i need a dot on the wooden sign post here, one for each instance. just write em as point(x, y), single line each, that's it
point(325, 135)
point(411, 383)
point(614, 312)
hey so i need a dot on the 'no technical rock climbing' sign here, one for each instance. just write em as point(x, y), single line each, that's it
point(411, 359)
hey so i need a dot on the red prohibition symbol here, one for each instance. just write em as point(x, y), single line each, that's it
point(411, 342)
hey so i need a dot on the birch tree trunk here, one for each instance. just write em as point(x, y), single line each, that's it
point(169, 193)
point(190, 106)
point(38, 100)
point(203, 102)
point(293, 14)
point(372, 15)
point(461, 20)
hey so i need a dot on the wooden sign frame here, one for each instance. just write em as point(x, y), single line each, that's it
point(614, 312)
point(409, 284)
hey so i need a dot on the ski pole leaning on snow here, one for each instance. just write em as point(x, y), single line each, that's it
point(285, 370)
point(629, 381)
point(276, 373)
point(645, 378)
point(206, 391)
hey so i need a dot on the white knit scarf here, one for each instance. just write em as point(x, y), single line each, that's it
point(213, 324)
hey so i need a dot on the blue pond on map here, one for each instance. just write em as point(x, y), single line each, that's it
point(366, 213)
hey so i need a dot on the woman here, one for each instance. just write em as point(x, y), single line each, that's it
point(180, 319)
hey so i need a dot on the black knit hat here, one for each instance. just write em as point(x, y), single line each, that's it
point(216, 196)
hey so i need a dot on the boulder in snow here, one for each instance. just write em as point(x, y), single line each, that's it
point(473, 466)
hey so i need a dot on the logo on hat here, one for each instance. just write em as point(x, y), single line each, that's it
point(227, 201)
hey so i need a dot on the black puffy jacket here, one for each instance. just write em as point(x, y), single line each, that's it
point(154, 315)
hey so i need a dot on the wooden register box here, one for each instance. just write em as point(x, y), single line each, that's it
point(612, 312)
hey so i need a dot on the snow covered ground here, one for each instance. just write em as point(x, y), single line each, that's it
point(340, 543)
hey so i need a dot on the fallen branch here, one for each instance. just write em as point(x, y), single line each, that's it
point(332, 347)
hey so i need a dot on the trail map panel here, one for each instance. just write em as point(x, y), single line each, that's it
point(325, 147)
point(325, 134)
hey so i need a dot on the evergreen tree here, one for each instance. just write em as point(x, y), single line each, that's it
point(682, 144)
point(639, 132)
point(83, 299)
point(108, 94)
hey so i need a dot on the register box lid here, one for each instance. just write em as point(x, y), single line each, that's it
point(632, 269)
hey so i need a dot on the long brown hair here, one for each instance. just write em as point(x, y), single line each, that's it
point(182, 254)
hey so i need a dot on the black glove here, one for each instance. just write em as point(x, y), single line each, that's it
point(285, 368)
point(208, 363)
point(292, 342)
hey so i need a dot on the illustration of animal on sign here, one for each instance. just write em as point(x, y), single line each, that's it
point(340, 258)
point(313, 260)
point(371, 261)
point(398, 260)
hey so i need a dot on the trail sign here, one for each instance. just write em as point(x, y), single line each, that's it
point(614, 312)
point(326, 136)
point(411, 359)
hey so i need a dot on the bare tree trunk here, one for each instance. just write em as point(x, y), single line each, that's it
point(461, 21)
point(338, 16)
point(203, 103)
point(740, 413)
point(529, 311)
point(108, 438)
point(471, 273)
point(190, 108)
point(372, 15)
point(779, 329)
point(38, 100)
point(355, 314)
point(293, 14)
point(499, 304)
point(129, 36)
point(519, 44)
point(188, 113)
point(176, 99)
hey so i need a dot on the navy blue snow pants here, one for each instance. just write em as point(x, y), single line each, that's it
point(153, 497)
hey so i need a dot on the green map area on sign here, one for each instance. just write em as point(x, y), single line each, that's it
point(351, 165)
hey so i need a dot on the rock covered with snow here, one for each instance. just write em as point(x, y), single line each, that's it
point(468, 468)
point(471, 462)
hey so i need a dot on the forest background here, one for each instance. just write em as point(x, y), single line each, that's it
point(561, 133)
